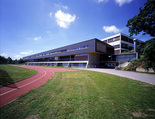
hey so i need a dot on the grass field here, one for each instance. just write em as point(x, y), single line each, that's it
point(11, 74)
point(85, 95)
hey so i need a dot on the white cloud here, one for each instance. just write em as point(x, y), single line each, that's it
point(64, 19)
point(37, 38)
point(99, 1)
point(121, 2)
point(65, 7)
point(17, 56)
point(111, 29)
point(4, 54)
point(25, 53)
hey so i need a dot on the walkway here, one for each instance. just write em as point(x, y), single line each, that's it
point(13, 91)
point(147, 78)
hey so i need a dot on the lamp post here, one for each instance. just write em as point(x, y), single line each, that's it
point(135, 44)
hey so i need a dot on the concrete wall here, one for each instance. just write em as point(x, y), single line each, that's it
point(94, 59)
point(101, 47)
point(125, 57)
point(144, 70)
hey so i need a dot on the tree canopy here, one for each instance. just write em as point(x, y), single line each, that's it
point(144, 21)
point(8, 60)
point(146, 52)
point(149, 54)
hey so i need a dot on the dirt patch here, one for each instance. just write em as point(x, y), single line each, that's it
point(152, 110)
point(139, 114)
point(33, 117)
point(147, 85)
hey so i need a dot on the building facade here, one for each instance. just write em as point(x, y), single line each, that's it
point(121, 43)
point(90, 53)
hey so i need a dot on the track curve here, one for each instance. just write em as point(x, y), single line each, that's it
point(13, 91)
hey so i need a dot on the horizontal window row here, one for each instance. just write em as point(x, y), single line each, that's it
point(61, 51)
point(78, 48)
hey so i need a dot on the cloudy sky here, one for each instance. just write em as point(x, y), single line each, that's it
point(32, 26)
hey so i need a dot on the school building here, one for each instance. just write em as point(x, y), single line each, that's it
point(89, 53)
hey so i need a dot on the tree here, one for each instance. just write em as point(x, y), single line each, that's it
point(9, 60)
point(144, 21)
point(149, 54)
point(20, 61)
point(3, 60)
point(140, 49)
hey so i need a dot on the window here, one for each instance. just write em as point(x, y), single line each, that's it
point(105, 41)
point(116, 38)
point(116, 46)
point(124, 38)
point(123, 45)
point(78, 48)
point(130, 48)
point(131, 40)
point(110, 40)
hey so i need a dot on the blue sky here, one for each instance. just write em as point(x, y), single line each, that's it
point(31, 26)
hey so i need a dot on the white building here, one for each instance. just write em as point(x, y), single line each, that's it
point(121, 42)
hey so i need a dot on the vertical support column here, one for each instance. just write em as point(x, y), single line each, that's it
point(68, 64)
point(87, 64)
point(120, 43)
point(135, 44)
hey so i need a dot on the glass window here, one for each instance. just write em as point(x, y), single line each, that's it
point(110, 40)
point(124, 38)
point(105, 41)
point(116, 46)
point(117, 38)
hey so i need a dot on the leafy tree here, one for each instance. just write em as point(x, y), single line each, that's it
point(149, 54)
point(20, 60)
point(15, 61)
point(144, 21)
point(9, 60)
point(3, 60)
point(146, 53)
point(140, 49)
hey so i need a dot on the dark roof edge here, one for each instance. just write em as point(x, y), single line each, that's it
point(62, 47)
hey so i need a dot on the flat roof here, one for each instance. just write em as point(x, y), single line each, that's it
point(119, 35)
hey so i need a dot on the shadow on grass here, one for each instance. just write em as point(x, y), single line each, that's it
point(6, 80)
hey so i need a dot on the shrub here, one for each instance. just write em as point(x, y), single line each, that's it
point(130, 67)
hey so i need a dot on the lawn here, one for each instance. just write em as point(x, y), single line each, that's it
point(84, 95)
point(11, 74)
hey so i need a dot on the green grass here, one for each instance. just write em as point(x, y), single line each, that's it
point(11, 74)
point(85, 95)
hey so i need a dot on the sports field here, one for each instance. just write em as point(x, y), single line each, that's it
point(85, 95)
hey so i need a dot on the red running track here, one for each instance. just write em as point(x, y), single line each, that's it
point(13, 91)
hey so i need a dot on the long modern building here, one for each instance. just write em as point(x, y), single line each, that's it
point(89, 53)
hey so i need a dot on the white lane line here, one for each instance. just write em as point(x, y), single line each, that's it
point(24, 85)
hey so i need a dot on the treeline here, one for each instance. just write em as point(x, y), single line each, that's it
point(9, 60)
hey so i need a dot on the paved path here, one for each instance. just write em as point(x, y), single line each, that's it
point(13, 91)
point(147, 78)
